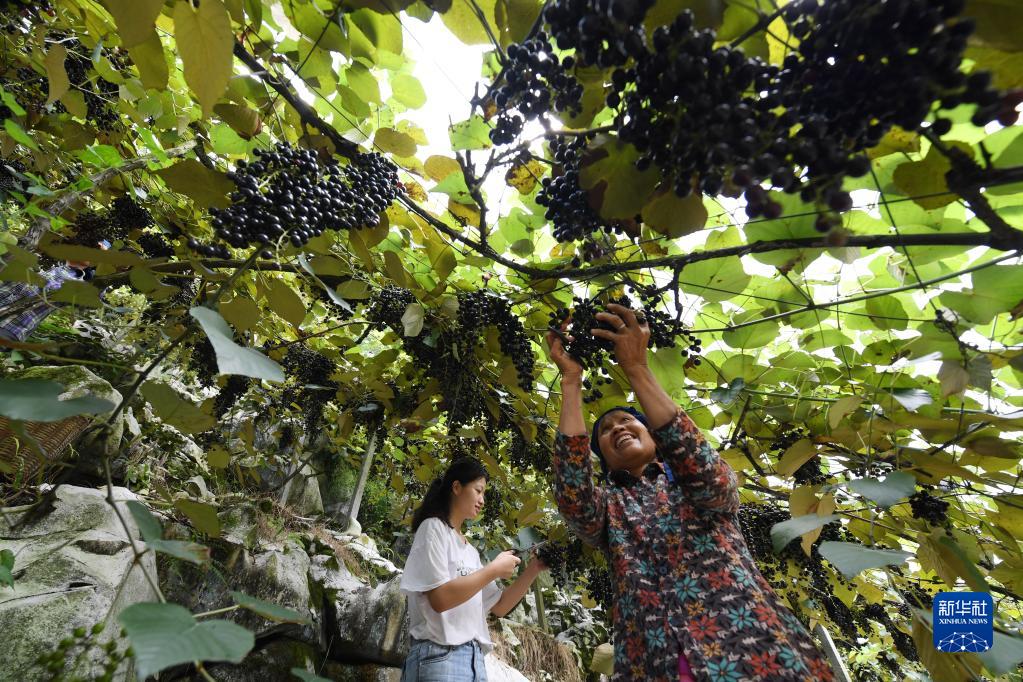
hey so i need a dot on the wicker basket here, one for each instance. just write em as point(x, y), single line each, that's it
point(21, 463)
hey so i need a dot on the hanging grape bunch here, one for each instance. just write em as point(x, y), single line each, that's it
point(234, 388)
point(604, 33)
point(535, 80)
point(711, 118)
point(929, 508)
point(600, 587)
point(388, 306)
point(568, 206)
point(288, 194)
point(203, 362)
point(480, 309)
point(592, 352)
point(309, 373)
point(563, 559)
point(755, 523)
point(526, 456)
point(155, 245)
point(11, 180)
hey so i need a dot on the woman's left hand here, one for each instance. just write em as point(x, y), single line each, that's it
point(631, 335)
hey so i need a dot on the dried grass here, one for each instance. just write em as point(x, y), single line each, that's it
point(539, 656)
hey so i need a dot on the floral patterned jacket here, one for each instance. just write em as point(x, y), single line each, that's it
point(684, 579)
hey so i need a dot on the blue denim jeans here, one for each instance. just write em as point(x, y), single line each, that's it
point(431, 662)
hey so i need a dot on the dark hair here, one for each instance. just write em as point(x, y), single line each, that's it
point(437, 501)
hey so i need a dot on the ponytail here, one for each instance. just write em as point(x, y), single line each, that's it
point(437, 501)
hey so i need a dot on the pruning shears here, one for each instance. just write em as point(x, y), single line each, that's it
point(528, 550)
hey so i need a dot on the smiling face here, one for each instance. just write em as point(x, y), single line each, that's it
point(467, 500)
point(625, 442)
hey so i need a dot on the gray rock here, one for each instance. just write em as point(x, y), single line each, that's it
point(368, 624)
point(278, 577)
point(73, 568)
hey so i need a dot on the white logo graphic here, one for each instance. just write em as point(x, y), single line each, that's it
point(963, 641)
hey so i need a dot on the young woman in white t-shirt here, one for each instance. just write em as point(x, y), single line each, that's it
point(449, 591)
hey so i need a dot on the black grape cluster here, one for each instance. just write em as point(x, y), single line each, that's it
point(535, 80)
point(755, 523)
point(203, 362)
point(903, 642)
point(909, 51)
point(591, 352)
point(526, 456)
point(564, 559)
point(154, 245)
point(288, 194)
point(600, 586)
point(493, 506)
point(604, 33)
point(787, 438)
point(92, 227)
point(128, 214)
point(929, 508)
point(312, 387)
point(388, 306)
point(232, 391)
point(568, 208)
point(11, 171)
point(101, 96)
point(480, 309)
point(184, 298)
point(714, 120)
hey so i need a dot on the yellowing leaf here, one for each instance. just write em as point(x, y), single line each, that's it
point(524, 176)
point(241, 312)
point(286, 303)
point(390, 140)
point(151, 61)
point(673, 217)
point(242, 119)
point(609, 170)
point(135, 19)
point(798, 454)
point(204, 186)
point(202, 516)
point(440, 167)
point(925, 180)
point(205, 43)
point(59, 83)
point(840, 408)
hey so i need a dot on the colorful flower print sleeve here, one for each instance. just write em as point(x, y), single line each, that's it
point(581, 503)
point(684, 580)
point(707, 479)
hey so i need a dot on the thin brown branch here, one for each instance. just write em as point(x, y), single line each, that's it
point(39, 227)
point(307, 114)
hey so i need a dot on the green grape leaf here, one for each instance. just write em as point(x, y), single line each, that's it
point(39, 400)
point(164, 635)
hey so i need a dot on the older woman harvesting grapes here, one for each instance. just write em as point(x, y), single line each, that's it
point(689, 601)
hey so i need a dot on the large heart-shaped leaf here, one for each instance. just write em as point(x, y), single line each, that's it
point(784, 532)
point(232, 358)
point(151, 532)
point(39, 400)
point(896, 486)
point(851, 558)
point(268, 610)
point(164, 635)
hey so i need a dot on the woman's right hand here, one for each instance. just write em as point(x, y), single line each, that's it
point(568, 365)
point(505, 563)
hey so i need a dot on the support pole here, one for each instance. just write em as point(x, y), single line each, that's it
point(837, 664)
point(352, 514)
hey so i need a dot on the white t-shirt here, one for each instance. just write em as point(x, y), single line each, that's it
point(439, 555)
